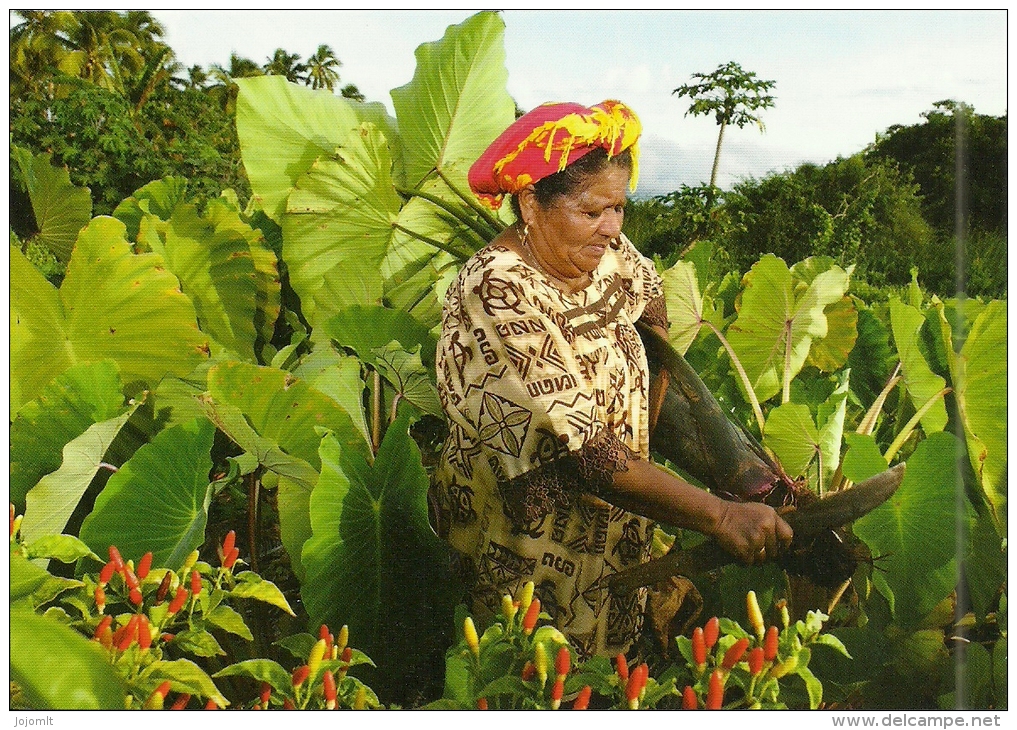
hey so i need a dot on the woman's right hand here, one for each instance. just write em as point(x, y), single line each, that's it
point(752, 532)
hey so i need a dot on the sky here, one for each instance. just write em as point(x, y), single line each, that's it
point(842, 77)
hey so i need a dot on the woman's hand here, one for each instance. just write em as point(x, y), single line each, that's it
point(752, 532)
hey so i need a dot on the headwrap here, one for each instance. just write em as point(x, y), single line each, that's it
point(549, 138)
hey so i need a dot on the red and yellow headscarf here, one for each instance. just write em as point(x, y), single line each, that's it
point(549, 138)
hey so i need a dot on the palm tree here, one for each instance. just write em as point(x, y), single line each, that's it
point(222, 78)
point(285, 64)
point(321, 69)
point(102, 49)
point(38, 46)
point(350, 91)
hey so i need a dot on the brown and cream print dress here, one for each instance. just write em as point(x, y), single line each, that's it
point(546, 397)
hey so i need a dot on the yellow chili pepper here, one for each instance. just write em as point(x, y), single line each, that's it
point(755, 615)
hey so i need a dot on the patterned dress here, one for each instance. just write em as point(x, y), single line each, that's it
point(546, 397)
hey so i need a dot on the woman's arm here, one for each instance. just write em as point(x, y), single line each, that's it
point(744, 529)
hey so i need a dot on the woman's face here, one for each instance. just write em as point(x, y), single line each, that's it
point(573, 232)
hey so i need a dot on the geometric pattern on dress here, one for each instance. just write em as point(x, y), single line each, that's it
point(503, 424)
point(624, 619)
point(546, 358)
point(502, 565)
point(482, 385)
point(463, 450)
point(629, 547)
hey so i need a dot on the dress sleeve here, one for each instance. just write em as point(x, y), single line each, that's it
point(514, 386)
point(646, 292)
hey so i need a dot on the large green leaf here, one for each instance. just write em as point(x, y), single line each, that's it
point(85, 395)
point(457, 102)
point(338, 225)
point(159, 198)
point(373, 562)
point(793, 436)
point(50, 503)
point(774, 315)
point(979, 375)
point(113, 304)
point(684, 304)
point(914, 532)
point(72, 673)
point(283, 128)
point(365, 330)
point(165, 489)
point(339, 377)
point(61, 209)
point(922, 384)
point(281, 414)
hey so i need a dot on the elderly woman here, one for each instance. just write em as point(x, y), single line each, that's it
point(546, 473)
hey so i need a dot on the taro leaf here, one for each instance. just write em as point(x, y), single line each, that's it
point(457, 102)
point(283, 128)
point(999, 673)
point(71, 674)
point(165, 489)
point(792, 435)
point(280, 414)
point(61, 209)
point(863, 458)
point(261, 670)
point(185, 677)
point(338, 224)
point(113, 304)
point(914, 531)
point(216, 271)
point(684, 305)
point(50, 503)
point(771, 312)
point(979, 375)
point(159, 198)
point(985, 568)
point(365, 330)
point(831, 352)
point(84, 395)
point(338, 377)
point(922, 384)
point(373, 562)
point(872, 360)
point(410, 378)
point(830, 420)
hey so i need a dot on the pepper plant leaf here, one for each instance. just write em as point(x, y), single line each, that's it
point(914, 531)
point(373, 562)
point(284, 127)
point(60, 208)
point(72, 674)
point(165, 488)
point(112, 304)
point(922, 384)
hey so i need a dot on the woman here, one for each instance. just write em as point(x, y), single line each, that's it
point(545, 475)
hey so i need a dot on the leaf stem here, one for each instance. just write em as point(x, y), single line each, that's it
point(455, 211)
point(496, 224)
point(756, 409)
point(376, 413)
point(433, 242)
point(786, 395)
point(905, 433)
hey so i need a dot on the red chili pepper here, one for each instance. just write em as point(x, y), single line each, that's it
point(115, 558)
point(583, 700)
point(622, 667)
point(323, 632)
point(167, 637)
point(756, 660)
point(106, 574)
point(733, 655)
point(130, 633)
point(131, 578)
point(529, 669)
point(698, 647)
point(228, 542)
point(156, 699)
point(329, 689)
point(144, 565)
point(210, 705)
point(195, 583)
point(266, 693)
point(136, 597)
point(482, 703)
point(689, 699)
point(562, 661)
point(715, 695)
point(347, 654)
point(637, 680)
point(231, 558)
point(711, 632)
point(770, 644)
point(106, 622)
point(181, 702)
point(300, 675)
point(530, 619)
point(144, 632)
point(178, 601)
point(164, 586)
point(556, 693)
point(288, 704)
point(100, 599)
point(256, 706)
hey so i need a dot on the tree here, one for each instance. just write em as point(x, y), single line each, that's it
point(321, 69)
point(285, 64)
point(350, 91)
point(731, 94)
